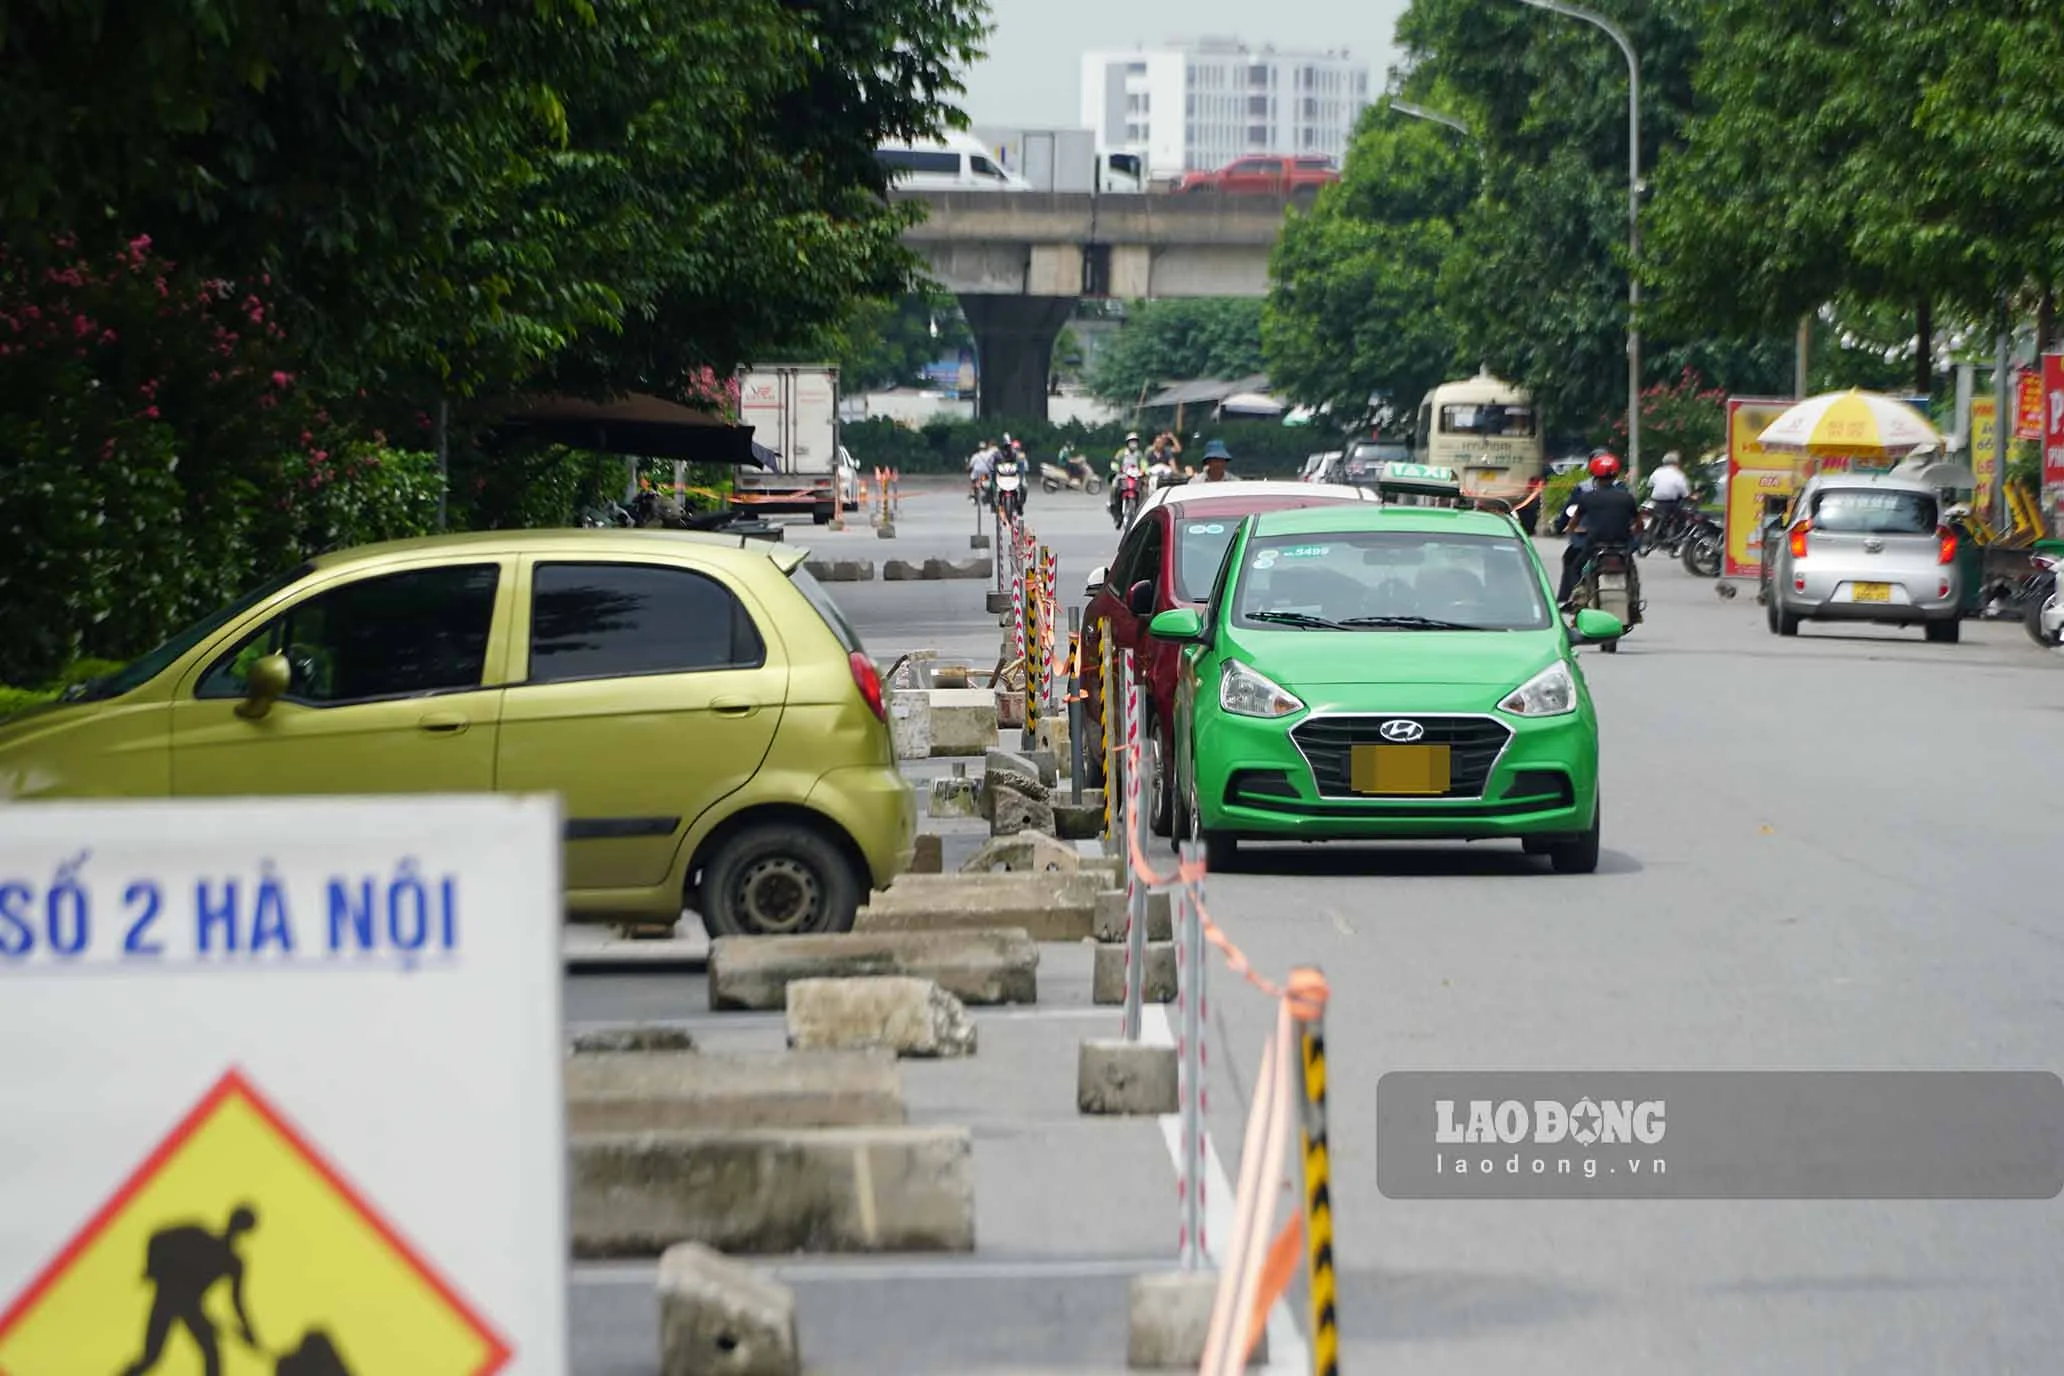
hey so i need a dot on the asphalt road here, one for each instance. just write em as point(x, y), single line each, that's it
point(1822, 853)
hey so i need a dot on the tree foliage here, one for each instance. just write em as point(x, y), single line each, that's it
point(1178, 340)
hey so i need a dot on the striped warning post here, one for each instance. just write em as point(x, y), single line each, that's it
point(1107, 718)
point(1307, 990)
point(1035, 639)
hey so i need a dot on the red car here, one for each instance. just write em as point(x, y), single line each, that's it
point(1169, 558)
point(1271, 175)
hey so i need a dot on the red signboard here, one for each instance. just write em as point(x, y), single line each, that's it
point(2053, 419)
point(2028, 404)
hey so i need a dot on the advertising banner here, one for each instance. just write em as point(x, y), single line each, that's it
point(1985, 453)
point(2053, 419)
point(2028, 404)
point(1753, 474)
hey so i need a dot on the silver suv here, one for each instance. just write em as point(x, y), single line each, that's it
point(1860, 548)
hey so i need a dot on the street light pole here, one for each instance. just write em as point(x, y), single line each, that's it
point(1421, 112)
point(1633, 219)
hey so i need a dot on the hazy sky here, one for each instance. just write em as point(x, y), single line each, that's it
point(1033, 74)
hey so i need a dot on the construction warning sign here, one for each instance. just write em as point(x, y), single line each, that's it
point(237, 1248)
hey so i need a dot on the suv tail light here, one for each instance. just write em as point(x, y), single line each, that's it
point(1799, 539)
point(867, 679)
point(1945, 545)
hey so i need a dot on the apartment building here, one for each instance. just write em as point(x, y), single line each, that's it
point(1197, 105)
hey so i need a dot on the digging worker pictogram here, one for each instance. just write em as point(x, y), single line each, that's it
point(184, 1263)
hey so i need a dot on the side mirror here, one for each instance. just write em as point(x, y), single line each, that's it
point(1594, 625)
point(1094, 584)
point(265, 683)
point(1178, 623)
point(1139, 600)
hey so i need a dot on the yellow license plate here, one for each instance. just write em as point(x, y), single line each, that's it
point(1870, 592)
point(1418, 770)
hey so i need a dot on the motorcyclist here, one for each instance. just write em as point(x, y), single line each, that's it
point(981, 464)
point(1669, 489)
point(1014, 450)
point(1009, 459)
point(1605, 514)
point(1161, 457)
point(1127, 460)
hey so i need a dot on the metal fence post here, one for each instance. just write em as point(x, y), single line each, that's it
point(1191, 1245)
point(1075, 751)
point(1307, 990)
point(1133, 845)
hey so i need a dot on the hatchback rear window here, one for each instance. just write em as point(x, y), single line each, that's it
point(1862, 511)
point(813, 592)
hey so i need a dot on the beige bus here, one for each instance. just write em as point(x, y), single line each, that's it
point(1487, 431)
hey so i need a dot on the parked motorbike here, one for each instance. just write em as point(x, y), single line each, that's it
point(1608, 585)
point(1009, 483)
point(2044, 616)
point(1702, 543)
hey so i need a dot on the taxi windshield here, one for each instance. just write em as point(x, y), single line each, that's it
point(1390, 581)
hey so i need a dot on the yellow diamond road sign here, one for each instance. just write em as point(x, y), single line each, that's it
point(236, 1240)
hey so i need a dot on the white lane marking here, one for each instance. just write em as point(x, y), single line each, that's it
point(1288, 1354)
point(647, 1273)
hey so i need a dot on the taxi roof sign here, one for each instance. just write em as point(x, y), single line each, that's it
point(1418, 480)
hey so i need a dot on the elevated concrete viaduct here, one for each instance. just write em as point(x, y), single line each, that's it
point(1020, 261)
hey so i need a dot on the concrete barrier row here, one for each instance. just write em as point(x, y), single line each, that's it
point(900, 570)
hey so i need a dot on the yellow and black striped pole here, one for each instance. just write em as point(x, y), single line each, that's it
point(1307, 992)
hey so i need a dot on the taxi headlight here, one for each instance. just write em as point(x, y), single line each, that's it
point(1550, 693)
point(1245, 693)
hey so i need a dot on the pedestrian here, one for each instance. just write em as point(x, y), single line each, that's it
point(1217, 462)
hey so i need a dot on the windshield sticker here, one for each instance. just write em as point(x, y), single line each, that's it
point(1307, 551)
point(1207, 530)
point(1265, 560)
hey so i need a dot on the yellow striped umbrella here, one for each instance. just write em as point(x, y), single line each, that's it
point(1852, 422)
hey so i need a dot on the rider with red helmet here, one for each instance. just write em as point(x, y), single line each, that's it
point(1601, 512)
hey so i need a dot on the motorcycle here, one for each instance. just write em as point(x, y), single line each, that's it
point(1608, 585)
point(1128, 498)
point(1010, 490)
point(2044, 617)
point(1702, 543)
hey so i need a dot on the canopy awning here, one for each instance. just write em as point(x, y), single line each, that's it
point(639, 424)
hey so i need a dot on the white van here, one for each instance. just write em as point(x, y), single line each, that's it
point(957, 162)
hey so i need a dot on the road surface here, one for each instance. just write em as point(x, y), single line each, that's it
point(1823, 853)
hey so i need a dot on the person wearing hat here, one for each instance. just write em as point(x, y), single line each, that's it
point(1216, 460)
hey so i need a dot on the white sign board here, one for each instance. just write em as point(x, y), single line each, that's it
point(283, 1081)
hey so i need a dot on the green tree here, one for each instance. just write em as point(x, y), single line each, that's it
point(1353, 309)
point(1177, 340)
point(890, 343)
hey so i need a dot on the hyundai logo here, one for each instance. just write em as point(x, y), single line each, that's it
point(1401, 731)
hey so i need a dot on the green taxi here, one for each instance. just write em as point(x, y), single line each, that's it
point(1392, 672)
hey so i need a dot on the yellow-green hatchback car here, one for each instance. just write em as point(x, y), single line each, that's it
point(715, 730)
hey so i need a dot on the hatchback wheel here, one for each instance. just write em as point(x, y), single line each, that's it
point(779, 880)
point(1579, 854)
point(1221, 851)
point(1160, 780)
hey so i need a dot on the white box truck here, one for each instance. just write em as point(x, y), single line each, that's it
point(793, 410)
point(1064, 160)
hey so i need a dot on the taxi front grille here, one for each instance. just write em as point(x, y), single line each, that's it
point(1327, 744)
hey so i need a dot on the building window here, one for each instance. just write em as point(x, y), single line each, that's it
point(1135, 69)
point(1257, 136)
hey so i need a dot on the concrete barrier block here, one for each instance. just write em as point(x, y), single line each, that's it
point(928, 855)
point(908, 1017)
point(1157, 980)
point(719, 1317)
point(910, 723)
point(637, 1036)
point(1048, 906)
point(1168, 1321)
point(938, 569)
point(997, 760)
point(996, 603)
point(1027, 853)
point(1010, 707)
point(900, 571)
point(1051, 737)
point(1107, 922)
point(977, 967)
point(1015, 813)
point(955, 797)
point(978, 542)
point(1121, 1077)
point(963, 720)
point(760, 1193)
point(1083, 821)
point(657, 1091)
point(886, 530)
point(1047, 763)
point(841, 570)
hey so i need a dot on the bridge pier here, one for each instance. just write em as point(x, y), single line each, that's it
point(1014, 344)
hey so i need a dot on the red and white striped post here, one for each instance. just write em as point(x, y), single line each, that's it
point(1192, 1095)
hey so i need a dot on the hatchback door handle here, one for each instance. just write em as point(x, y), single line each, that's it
point(733, 707)
point(443, 723)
